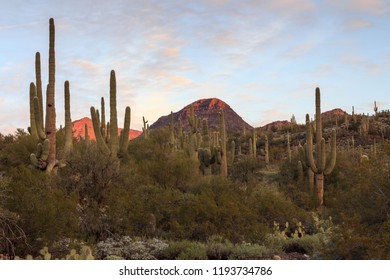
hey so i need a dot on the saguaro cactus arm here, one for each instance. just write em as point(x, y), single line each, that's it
point(333, 153)
point(309, 146)
point(125, 131)
point(96, 128)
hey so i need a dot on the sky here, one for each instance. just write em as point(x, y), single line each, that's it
point(262, 57)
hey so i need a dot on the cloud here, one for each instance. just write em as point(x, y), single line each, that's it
point(86, 65)
point(376, 7)
point(357, 24)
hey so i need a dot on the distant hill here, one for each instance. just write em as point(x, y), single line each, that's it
point(209, 109)
point(79, 129)
point(276, 126)
point(282, 125)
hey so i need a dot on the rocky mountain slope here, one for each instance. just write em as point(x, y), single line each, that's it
point(209, 109)
point(79, 129)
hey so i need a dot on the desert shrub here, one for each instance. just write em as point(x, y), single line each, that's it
point(218, 248)
point(15, 149)
point(88, 172)
point(160, 164)
point(311, 238)
point(10, 231)
point(247, 251)
point(130, 249)
point(46, 212)
point(185, 250)
point(244, 169)
point(270, 205)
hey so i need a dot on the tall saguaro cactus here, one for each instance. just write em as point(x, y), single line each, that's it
point(254, 142)
point(114, 145)
point(50, 127)
point(38, 84)
point(45, 158)
point(68, 121)
point(114, 142)
point(222, 129)
point(319, 165)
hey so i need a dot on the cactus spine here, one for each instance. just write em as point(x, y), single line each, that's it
point(222, 128)
point(68, 121)
point(318, 166)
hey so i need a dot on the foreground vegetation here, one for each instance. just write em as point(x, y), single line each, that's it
point(155, 192)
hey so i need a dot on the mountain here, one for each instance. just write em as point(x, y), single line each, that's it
point(78, 128)
point(326, 116)
point(206, 109)
point(332, 114)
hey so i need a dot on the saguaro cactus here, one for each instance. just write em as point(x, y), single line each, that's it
point(112, 129)
point(33, 128)
point(114, 145)
point(124, 141)
point(45, 158)
point(266, 149)
point(222, 130)
point(68, 121)
point(375, 108)
point(254, 142)
point(205, 153)
point(318, 165)
point(50, 127)
point(38, 84)
point(172, 139)
point(145, 129)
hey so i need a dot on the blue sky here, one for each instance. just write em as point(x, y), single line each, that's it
point(264, 58)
